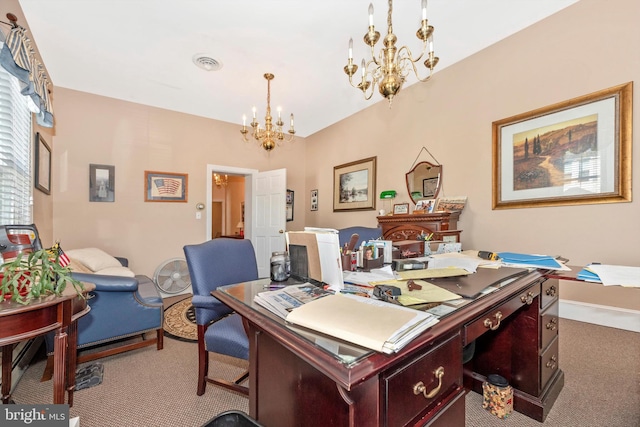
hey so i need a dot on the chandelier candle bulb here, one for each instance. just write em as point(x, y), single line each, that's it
point(424, 10)
point(371, 14)
point(351, 48)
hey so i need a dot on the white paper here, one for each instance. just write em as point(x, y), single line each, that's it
point(612, 275)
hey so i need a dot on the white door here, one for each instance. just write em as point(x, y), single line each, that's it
point(268, 220)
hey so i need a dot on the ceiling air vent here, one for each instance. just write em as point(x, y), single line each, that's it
point(206, 62)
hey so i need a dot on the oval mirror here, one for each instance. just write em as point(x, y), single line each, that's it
point(423, 181)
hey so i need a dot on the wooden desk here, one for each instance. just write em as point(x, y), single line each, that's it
point(298, 377)
point(22, 322)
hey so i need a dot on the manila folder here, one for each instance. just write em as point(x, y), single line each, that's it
point(367, 322)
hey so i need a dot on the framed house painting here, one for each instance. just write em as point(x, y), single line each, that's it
point(354, 185)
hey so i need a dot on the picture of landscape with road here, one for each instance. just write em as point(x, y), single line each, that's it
point(563, 154)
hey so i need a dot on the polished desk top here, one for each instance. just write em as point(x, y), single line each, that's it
point(346, 363)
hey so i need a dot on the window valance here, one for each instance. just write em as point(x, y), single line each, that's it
point(19, 58)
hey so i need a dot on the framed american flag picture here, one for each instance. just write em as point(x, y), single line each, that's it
point(165, 186)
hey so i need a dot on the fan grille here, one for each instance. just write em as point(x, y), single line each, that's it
point(172, 276)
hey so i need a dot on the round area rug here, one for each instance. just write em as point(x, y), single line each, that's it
point(180, 321)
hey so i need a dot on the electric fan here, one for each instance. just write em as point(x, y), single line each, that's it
point(172, 276)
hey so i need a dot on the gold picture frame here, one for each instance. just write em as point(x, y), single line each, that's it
point(165, 187)
point(571, 153)
point(354, 185)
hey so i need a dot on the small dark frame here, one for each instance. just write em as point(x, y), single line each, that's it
point(43, 165)
point(289, 206)
point(102, 183)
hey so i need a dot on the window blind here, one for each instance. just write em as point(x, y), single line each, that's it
point(15, 153)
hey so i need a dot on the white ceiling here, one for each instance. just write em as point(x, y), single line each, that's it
point(141, 50)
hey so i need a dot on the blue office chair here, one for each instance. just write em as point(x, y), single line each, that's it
point(214, 263)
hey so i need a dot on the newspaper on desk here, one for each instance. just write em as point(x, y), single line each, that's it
point(282, 301)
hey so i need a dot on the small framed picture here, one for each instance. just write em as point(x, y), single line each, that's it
point(165, 187)
point(102, 180)
point(314, 200)
point(401, 208)
point(43, 165)
point(426, 205)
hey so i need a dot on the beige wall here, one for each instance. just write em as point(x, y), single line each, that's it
point(582, 49)
point(134, 138)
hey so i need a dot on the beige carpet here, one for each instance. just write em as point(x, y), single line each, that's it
point(158, 388)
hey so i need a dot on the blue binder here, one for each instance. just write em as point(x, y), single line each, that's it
point(527, 260)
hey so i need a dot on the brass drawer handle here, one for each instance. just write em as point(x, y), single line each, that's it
point(553, 324)
point(552, 363)
point(421, 388)
point(527, 299)
point(489, 324)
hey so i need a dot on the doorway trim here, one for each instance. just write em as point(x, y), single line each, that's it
point(248, 210)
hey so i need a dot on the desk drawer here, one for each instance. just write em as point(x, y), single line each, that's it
point(549, 324)
point(492, 320)
point(549, 363)
point(549, 292)
point(404, 399)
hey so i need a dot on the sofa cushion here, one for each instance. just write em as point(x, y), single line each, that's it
point(93, 258)
point(116, 271)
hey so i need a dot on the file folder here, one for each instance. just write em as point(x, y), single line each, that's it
point(527, 260)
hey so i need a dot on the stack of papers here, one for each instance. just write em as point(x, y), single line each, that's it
point(612, 275)
point(512, 259)
point(369, 323)
point(282, 301)
point(588, 275)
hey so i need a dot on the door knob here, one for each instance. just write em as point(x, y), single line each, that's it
point(280, 231)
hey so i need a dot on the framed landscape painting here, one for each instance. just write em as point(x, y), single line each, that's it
point(354, 185)
point(571, 153)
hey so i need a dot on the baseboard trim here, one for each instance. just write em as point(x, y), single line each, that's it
point(603, 315)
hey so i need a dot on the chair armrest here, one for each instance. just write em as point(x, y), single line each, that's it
point(205, 301)
point(106, 283)
point(123, 261)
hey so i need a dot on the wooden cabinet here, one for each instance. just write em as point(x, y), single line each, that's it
point(522, 348)
point(443, 225)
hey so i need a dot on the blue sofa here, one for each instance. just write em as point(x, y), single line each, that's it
point(121, 307)
point(364, 233)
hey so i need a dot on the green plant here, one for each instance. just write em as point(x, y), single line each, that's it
point(34, 275)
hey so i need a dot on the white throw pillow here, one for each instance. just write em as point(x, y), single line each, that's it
point(116, 271)
point(93, 258)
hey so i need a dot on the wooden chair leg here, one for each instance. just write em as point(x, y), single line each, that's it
point(48, 370)
point(160, 339)
point(203, 361)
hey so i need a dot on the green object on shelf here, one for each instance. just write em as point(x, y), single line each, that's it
point(389, 194)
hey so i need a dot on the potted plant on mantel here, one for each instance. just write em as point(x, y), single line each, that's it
point(35, 275)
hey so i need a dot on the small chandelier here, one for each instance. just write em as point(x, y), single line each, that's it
point(220, 180)
point(391, 67)
point(268, 136)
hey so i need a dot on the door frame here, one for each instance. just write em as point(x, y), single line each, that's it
point(248, 209)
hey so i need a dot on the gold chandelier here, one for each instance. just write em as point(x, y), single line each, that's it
point(271, 134)
point(391, 67)
point(220, 180)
